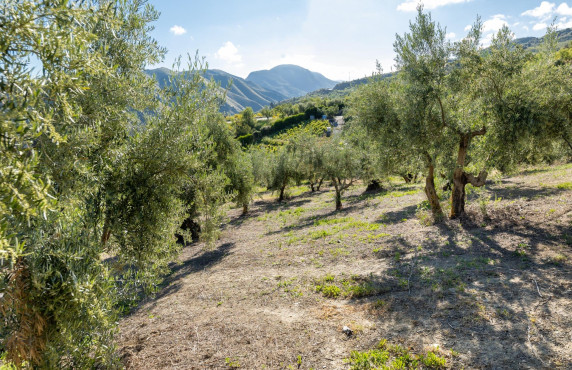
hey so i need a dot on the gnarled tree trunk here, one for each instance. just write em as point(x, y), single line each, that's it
point(462, 178)
point(338, 188)
point(430, 191)
point(312, 187)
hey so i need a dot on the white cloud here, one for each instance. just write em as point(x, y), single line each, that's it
point(495, 23)
point(411, 5)
point(525, 28)
point(545, 8)
point(563, 24)
point(451, 35)
point(228, 53)
point(468, 27)
point(539, 26)
point(564, 9)
point(177, 30)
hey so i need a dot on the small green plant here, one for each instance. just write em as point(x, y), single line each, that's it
point(329, 290)
point(559, 259)
point(233, 364)
point(329, 278)
point(565, 186)
point(321, 234)
point(380, 303)
point(387, 356)
point(484, 200)
point(520, 250)
point(361, 290)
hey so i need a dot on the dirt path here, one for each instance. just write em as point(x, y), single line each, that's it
point(492, 292)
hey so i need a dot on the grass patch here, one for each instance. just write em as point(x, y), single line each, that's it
point(354, 287)
point(565, 186)
point(329, 290)
point(322, 233)
point(558, 260)
point(399, 194)
point(292, 212)
point(387, 356)
point(333, 221)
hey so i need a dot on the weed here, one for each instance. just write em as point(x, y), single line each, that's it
point(387, 356)
point(565, 186)
point(558, 260)
point(321, 234)
point(292, 212)
point(233, 364)
point(329, 278)
point(504, 313)
point(339, 252)
point(333, 221)
point(354, 287)
point(329, 291)
point(520, 250)
point(360, 290)
point(380, 303)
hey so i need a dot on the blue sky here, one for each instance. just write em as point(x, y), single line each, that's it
point(340, 39)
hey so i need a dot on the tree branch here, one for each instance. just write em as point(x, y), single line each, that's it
point(479, 132)
point(442, 112)
point(476, 181)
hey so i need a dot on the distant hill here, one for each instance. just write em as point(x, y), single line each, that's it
point(290, 80)
point(344, 88)
point(241, 94)
point(532, 43)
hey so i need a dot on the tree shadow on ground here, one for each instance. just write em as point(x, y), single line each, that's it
point(398, 215)
point(261, 207)
point(481, 309)
point(199, 260)
point(306, 222)
point(520, 192)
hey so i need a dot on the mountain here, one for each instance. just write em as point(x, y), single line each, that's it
point(241, 94)
point(342, 89)
point(290, 80)
point(532, 43)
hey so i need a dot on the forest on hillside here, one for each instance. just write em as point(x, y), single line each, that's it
point(105, 176)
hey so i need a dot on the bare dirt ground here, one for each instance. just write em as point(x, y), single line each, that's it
point(491, 291)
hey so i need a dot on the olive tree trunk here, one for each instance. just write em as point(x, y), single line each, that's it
point(462, 178)
point(431, 193)
point(281, 197)
point(338, 196)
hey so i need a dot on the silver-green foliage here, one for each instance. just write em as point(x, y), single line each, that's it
point(96, 161)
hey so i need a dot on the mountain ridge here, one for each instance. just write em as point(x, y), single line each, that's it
point(290, 80)
point(284, 81)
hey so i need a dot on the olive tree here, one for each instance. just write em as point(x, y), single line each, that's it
point(97, 161)
point(341, 164)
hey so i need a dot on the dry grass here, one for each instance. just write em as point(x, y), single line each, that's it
point(494, 287)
